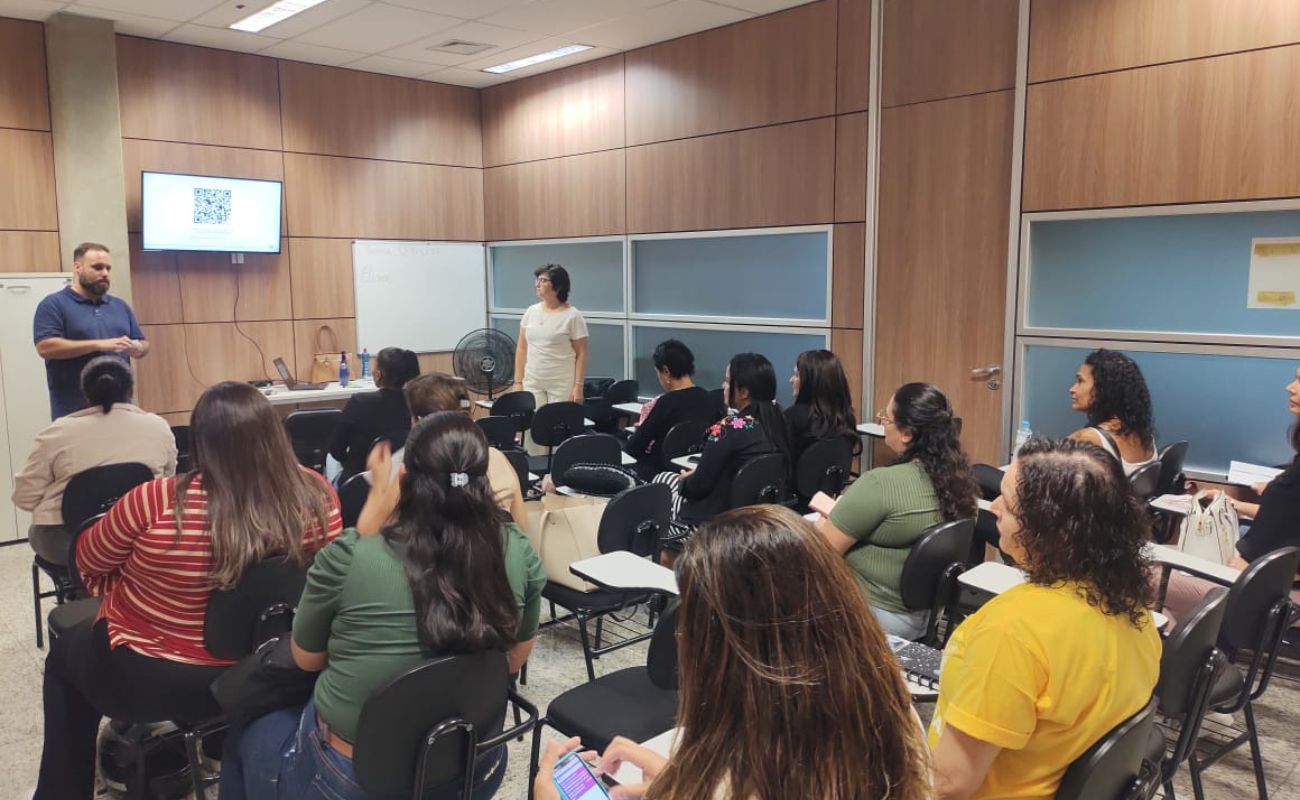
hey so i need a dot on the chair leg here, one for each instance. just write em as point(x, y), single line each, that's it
point(586, 646)
point(1194, 769)
point(196, 766)
point(36, 600)
point(1255, 756)
point(600, 628)
point(523, 674)
point(536, 755)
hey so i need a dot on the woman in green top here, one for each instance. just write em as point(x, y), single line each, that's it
point(449, 574)
point(878, 519)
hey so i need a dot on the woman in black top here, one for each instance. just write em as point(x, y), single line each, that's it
point(823, 406)
point(682, 401)
point(758, 429)
point(368, 416)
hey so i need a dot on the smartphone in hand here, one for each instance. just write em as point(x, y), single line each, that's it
point(574, 779)
point(822, 503)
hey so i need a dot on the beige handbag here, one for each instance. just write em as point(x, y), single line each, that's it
point(566, 532)
point(1210, 531)
point(325, 356)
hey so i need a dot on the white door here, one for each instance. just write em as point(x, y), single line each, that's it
point(25, 409)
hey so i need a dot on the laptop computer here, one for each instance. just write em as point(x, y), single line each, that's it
point(289, 382)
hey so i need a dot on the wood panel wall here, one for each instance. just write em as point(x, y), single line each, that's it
point(758, 124)
point(362, 156)
point(29, 223)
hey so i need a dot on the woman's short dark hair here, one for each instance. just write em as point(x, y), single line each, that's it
point(677, 358)
point(1081, 523)
point(1119, 392)
point(559, 277)
point(396, 366)
point(824, 386)
point(923, 411)
point(107, 380)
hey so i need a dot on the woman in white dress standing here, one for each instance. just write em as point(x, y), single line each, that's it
point(551, 357)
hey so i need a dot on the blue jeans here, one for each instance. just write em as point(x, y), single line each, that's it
point(282, 756)
point(909, 624)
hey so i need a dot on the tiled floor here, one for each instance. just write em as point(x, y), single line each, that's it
point(556, 665)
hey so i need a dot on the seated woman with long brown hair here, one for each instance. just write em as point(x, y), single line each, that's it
point(788, 688)
point(155, 559)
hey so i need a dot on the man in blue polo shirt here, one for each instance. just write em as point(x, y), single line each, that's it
point(79, 322)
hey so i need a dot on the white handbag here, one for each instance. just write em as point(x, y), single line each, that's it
point(1210, 531)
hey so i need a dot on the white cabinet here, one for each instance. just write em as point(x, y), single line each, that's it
point(24, 400)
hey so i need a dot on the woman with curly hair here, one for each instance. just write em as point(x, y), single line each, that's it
point(884, 512)
point(1044, 670)
point(1110, 390)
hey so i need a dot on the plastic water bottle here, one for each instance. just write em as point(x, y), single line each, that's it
point(365, 364)
point(1023, 434)
point(343, 369)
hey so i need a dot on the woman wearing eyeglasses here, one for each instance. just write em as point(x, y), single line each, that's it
point(878, 519)
point(551, 357)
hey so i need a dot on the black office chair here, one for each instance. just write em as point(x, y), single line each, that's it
point(989, 480)
point(588, 448)
point(1190, 664)
point(601, 408)
point(1145, 481)
point(824, 467)
point(633, 520)
point(79, 605)
point(88, 494)
point(516, 406)
point(719, 404)
point(182, 435)
point(428, 726)
point(519, 461)
point(763, 479)
point(638, 702)
point(552, 424)
point(501, 432)
point(1171, 481)
point(1115, 768)
point(310, 431)
point(683, 439)
point(352, 498)
point(1257, 616)
point(928, 581)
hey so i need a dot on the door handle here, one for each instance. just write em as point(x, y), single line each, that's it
point(985, 373)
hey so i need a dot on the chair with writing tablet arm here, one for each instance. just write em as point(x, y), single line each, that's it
point(1115, 768)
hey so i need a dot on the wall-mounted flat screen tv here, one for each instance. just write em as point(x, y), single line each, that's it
point(199, 212)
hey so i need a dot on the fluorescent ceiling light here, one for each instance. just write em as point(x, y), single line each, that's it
point(276, 12)
point(511, 66)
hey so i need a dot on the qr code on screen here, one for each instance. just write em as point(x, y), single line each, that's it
point(211, 206)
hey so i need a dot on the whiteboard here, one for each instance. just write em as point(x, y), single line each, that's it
point(423, 296)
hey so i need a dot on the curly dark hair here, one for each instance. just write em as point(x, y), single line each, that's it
point(1081, 522)
point(923, 411)
point(1119, 392)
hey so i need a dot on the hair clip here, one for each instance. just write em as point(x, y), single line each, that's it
point(459, 479)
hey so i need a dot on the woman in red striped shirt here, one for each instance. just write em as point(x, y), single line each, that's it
point(142, 658)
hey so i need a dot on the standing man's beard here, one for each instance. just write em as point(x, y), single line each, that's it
point(98, 288)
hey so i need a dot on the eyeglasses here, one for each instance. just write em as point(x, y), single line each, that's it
point(540, 281)
point(883, 418)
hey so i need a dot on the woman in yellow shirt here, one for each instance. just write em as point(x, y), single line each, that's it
point(1044, 670)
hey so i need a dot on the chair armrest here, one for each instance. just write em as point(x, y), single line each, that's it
point(530, 720)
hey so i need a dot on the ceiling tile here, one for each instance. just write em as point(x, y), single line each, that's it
point(230, 12)
point(181, 10)
point(658, 24)
point(391, 66)
point(130, 24)
point(502, 38)
point(29, 9)
point(464, 77)
point(464, 9)
point(222, 38)
point(761, 6)
point(377, 28)
point(559, 16)
point(312, 54)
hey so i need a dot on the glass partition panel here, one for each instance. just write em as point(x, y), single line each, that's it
point(595, 272)
point(604, 345)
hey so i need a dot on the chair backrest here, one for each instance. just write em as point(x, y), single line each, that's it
point(517, 406)
point(1145, 480)
point(1257, 617)
point(661, 658)
point(259, 606)
point(939, 547)
point(310, 430)
point(623, 392)
point(763, 479)
point(181, 433)
point(500, 431)
point(1171, 468)
point(1109, 769)
point(93, 491)
point(395, 739)
point(73, 573)
point(720, 404)
point(682, 439)
point(555, 422)
point(1185, 653)
point(352, 497)
point(519, 460)
point(823, 467)
point(589, 448)
point(634, 518)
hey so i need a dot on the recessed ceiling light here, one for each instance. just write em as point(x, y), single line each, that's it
point(561, 52)
point(276, 12)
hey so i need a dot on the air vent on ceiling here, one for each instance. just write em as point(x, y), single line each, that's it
point(460, 47)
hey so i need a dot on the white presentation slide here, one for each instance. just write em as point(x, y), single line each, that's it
point(194, 212)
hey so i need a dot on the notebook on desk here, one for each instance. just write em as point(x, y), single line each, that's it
point(920, 663)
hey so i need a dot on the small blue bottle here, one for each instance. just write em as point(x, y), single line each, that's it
point(365, 364)
point(343, 369)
